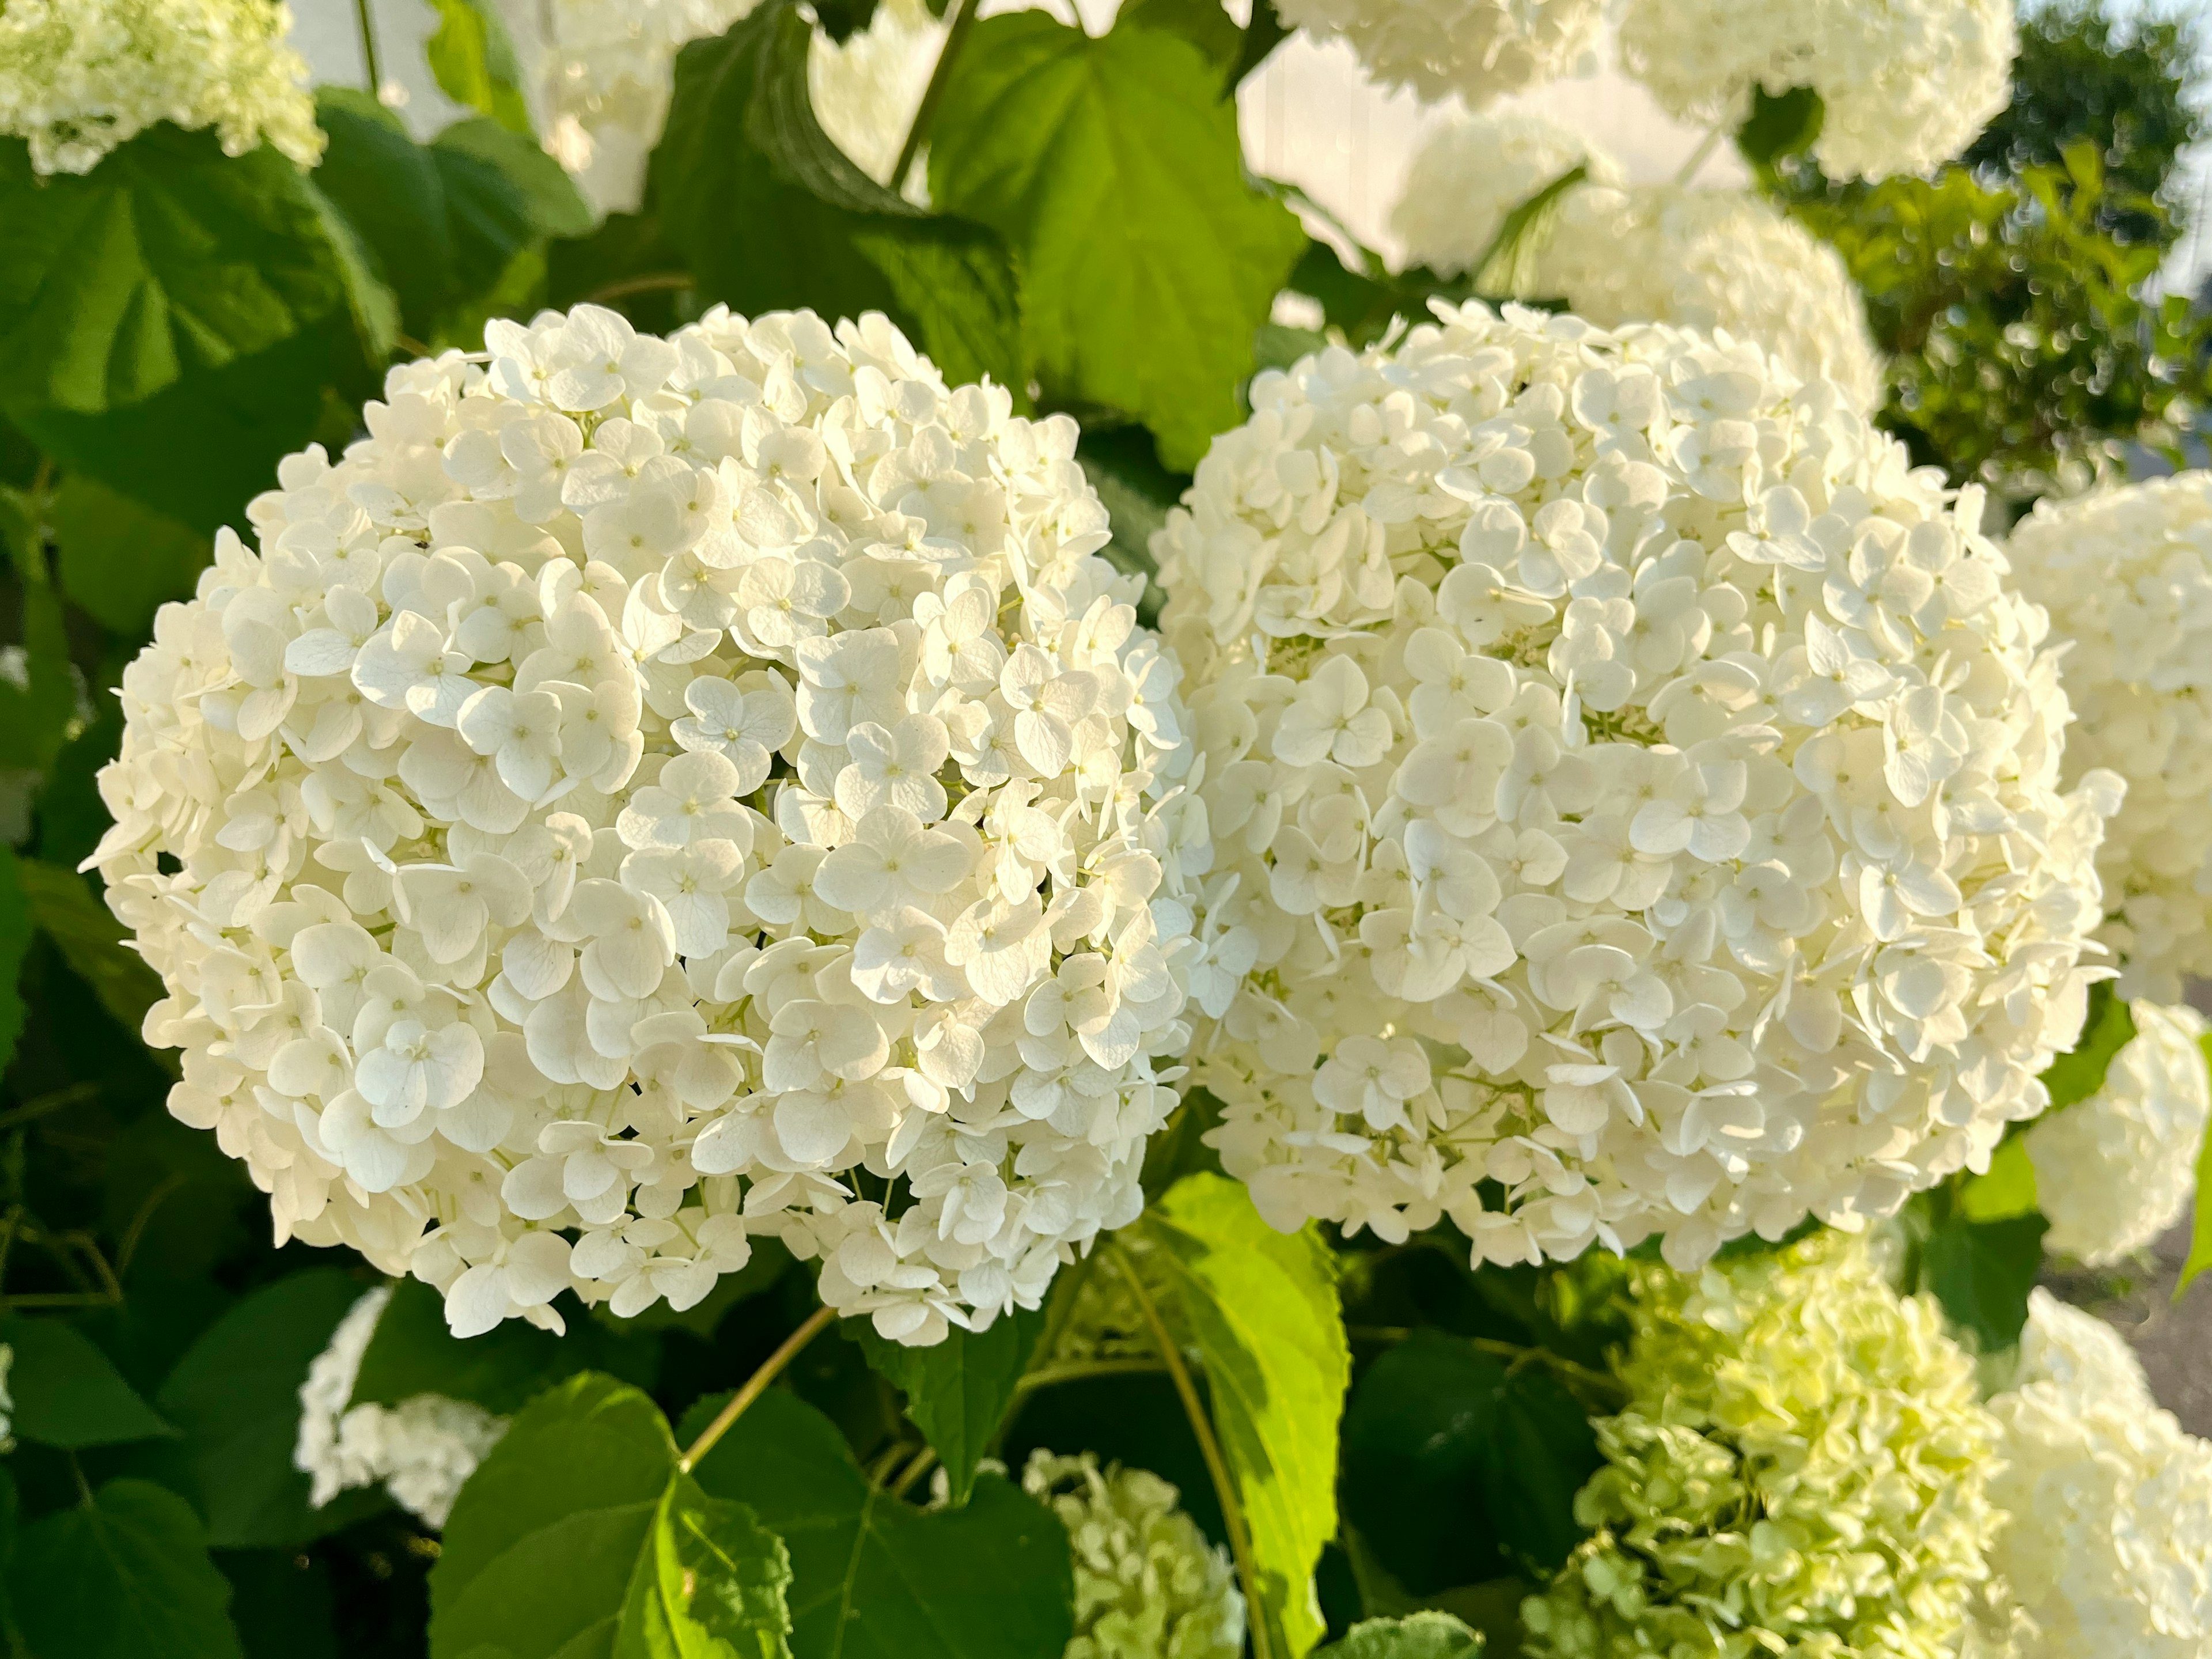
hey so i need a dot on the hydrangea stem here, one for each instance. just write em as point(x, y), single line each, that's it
point(1216, 1467)
point(366, 24)
point(964, 19)
point(755, 1385)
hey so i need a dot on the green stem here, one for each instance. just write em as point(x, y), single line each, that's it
point(366, 25)
point(1216, 1465)
point(1698, 156)
point(755, 1385)
point(964, 19)
point(1083, 1371)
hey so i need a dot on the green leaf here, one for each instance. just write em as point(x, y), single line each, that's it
point(958, 1390)
point(1417, 1636)
point(710, 1586)
point(68, 1393)
point(873, 1578)
point(2007, 1190)
point(412, 1353)
point(2200, 1237)
point(474, 63)
point(2107, 1028)
point(1206, 24)
point(169, 256)
point(91, 940)
point(1047, 135)
point(958, 285)
point(118, 560)
point(37, 716)
point(125, 1576)
point(1787, 123)
point(1982, 1272)
point(235, 1395)
point(1261, 1309)
point(14, 945)
point(1459, 1469)
point(780, 123)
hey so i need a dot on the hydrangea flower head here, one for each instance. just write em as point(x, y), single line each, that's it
point(1477, 50)
point(78, 78)
point(1634, 791)
point(2114, 1171)
point(1148, 1583)
point(1473, 171)
point(1802, 1468)
point(2107, 1543)
point(2126, 575)
point(649, 793)
point(1905, 84)
point(422, 1449)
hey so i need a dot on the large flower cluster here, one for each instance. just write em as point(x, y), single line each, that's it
point(1802, 1468)
point(666, 790)
point(1147, 1585)
point(1471, 172)
point(2107, 1548)
point(2114, 1171)
point(421, 1450)
point(78, 78)
point(2127, 578)
point(1634, 792)
point(1477, 50)
point(1709, 259)
point(1906, 84)
point(600, 72)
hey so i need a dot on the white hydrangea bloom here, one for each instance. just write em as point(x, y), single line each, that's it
point(422, 1449)
point(866, 91)
point(663, 790)
point(1471, 172)
point(2114, 1171)
point(1148, 1583)
point(2126, 577)
point(1478, 50)
point(1634, 792)
point(2108, 1550)
point(1711, 260)
point(599, 74)
point(78, 78)
point(1907, 84)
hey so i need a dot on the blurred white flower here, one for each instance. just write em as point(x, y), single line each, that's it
point(1473, 171)
point(1478, 50)
point(866, 92)
point(1632, 786)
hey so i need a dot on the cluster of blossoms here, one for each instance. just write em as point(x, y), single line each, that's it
point(2108, 1546)
point(1631, 785)
point(421, 1449)
point(1471, 172)
point(1802, 1468)
point(78, 78)
point(2114, 1171)
point(1906, 84)
point(1147, 1585)
point(662, 791)
point(2127, 578)
point(1477, 50)
point(600, 72)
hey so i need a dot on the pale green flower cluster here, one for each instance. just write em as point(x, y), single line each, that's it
point(1801, 1469)
point(1147, 1585)
point(78, 78)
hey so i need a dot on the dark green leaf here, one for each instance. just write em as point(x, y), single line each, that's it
point(710, 1585)
point(1261, 1309)
point(1206, 24)
point(412, 1353)
point(281, 1602)
point(1787, 123)
point(119, 560)
point(958, 1390)
point(37, 717)
point(15, 943)
point(871, 1577)
point(473, 61)
point(956, 285)
point(842, 19)
point(780, 123)
point(90, 940)
point(123, 1577)
point(67, 1392)
point(235, 1395)
point(1262, 35)
point(1417, 1636)
point(1982, 1272)
point(1046, 136)
point(2108, 1028)
point(543, 1542)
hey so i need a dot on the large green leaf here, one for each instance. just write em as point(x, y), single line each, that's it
point(958, 1390)
point(15, 943)
point(873, 1578)
point(1458, 1469)
point(67, 1392)
point(474, 63)
point(90, 940)
point(578, 1537)
point(1261, 1309)
point(235, 1395)
point(1113, 172)
point(1982, 1272)
point(2108, 1028)
point(1428, 1635)
point(119, 560)
point(123, 1576)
